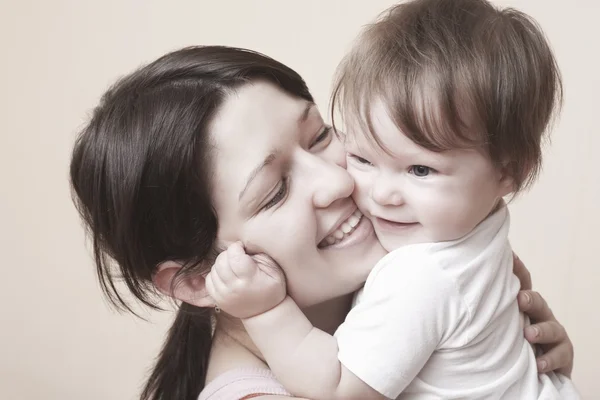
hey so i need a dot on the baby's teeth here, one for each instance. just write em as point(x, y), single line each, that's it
point(353, 221)
point(330, 240)
point(357, 213)
point(338, 234)
point(346, 227)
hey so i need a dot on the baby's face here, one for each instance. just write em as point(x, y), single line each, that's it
point(414, 195)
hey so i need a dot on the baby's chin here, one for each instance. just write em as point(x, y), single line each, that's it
point(391, 242)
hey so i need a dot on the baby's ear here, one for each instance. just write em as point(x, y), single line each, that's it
point(507, 185)
point(505, 180)
point(190, 289)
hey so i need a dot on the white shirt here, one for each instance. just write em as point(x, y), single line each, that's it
point(441, 321)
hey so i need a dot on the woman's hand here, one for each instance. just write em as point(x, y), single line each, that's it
point(545, 330)
point(245, 286)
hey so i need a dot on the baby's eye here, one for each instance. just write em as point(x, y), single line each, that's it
point(420, 170)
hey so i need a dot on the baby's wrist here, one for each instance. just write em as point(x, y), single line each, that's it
point(273, 309)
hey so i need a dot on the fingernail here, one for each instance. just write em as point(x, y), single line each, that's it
point(542, 365)
point(527, 297)
point(532, 331)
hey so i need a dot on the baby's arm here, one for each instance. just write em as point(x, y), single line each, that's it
point(302, 357)
point(385, 341)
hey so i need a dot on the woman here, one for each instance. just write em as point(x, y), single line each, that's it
point(211, 145)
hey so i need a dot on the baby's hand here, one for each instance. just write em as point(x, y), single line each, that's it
point(245, 286)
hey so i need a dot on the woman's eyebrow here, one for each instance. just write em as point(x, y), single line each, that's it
point(267, 161)
point(304, 116)
point(273, 155)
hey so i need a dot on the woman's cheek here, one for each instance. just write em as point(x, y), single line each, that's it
point(267, 234)
point(254, 236)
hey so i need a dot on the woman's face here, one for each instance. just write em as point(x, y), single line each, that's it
point(280, 186)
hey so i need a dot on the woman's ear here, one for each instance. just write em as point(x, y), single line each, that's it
point(190, 289)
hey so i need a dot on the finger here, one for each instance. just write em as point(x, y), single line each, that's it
point(522, 273)
point(534, 305)
point(242, 265)
point(211, 288)
point(549, 332)
point(222, 268)
point(559, 359)
point(268, 265)
point(236, 248)
point(219, 288)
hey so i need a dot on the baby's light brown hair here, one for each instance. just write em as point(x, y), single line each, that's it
point(455, 74)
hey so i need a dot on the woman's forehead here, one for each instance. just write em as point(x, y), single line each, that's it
point(256, 111)
point(256, 121)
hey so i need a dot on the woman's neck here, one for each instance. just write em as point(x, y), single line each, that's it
point(329, 315)
point(233, 348)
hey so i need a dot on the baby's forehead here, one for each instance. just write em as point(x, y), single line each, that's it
point(361, 142)
point(394, 144)
point(375, 130)
point(358, 139)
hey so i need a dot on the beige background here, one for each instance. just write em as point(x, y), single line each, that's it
point(59, 340)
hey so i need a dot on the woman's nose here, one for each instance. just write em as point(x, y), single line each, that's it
point(328, 180)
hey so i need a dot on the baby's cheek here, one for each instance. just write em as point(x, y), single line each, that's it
point(443, 221)
point(361, 188)
point(457, 223)
point(359, 195)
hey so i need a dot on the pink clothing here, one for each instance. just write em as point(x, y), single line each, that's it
point(243, 383)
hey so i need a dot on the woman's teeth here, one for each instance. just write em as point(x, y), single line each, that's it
point(345, 229)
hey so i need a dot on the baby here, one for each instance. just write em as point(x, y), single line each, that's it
point(446, 103)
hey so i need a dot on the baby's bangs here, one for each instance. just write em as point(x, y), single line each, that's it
point(426, 107)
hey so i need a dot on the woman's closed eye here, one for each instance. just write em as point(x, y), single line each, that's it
point(324, 136)
point(420, 171)
point(279, 195)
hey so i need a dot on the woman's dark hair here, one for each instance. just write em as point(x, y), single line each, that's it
point(140, 174)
